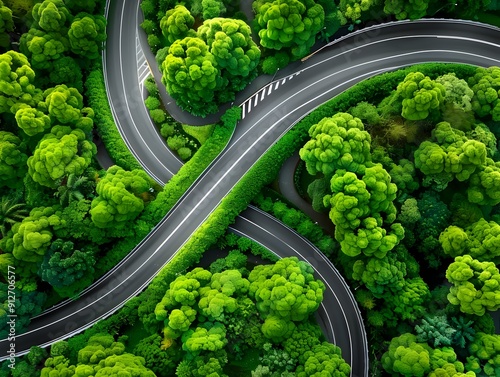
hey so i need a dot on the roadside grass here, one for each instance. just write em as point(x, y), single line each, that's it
point(200, 133)
point(492, 18)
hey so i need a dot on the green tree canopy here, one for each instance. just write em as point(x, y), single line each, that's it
point(32, 237)
point(421, 96)
point(407, 357)
point(31, 120)
point(66, 268)
point(6, 25)
point(413, 9)
point(43, 48)
point(17, 82)
point(119, 197)
point(338, 142)
point(486, 86)
point(59, 153)
point(291, 24)
point(324, 359)
point(476, 285)
point(191, 75)
point(286, 289)
point(86, 34)
point(51, 15)
point(230, 42)
point(177, 23)
point(12, 160)
point(63, 104)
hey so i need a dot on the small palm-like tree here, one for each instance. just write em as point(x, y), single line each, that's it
point(72, 190)
point(11, 212)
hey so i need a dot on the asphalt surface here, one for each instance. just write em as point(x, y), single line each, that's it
point(267, 117)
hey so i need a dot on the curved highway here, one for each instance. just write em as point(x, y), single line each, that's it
point(324, 75)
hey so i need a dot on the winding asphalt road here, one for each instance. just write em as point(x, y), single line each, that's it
point(268, 115)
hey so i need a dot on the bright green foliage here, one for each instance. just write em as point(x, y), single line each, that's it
point(61, 152)
point(119, 197)
point(485, 355)
point(64, 104)
point(218, 298)
point(454, 241)
point(403, 175)
point(484, 185)
point(289, 24)
point(353, 9)
point(407, 357)
point(436, 331)
point(181, 319)
point(304, 338)
point(380, 275)
point(409, 213)
point(160, 361)
point(104, 357)
point(31, 120)
point(16, 82)
point(476, 285)
point(201, 367)
point(121, 365)
point(366, 112)
point(457, 92)
point(286, 289)
point(451, 370)
point(481, 240)
point(11, 212)
point(59, 348)
point(58, 366)
point(382, 191)
point(230, 42)
point(421, 95)
point(441, 357)
point(43, 48)
point(359, 209)
point(32, 237)
point(450, 152)
point(177, 23)
point(408, 303)
point(99, 347)
point(482, 133)
point(86, 34)
point(191, 75)
point(338, 142)
point(12, 160)
point(486, 86)
point(202, 339)
point(67, 269)
point(430, 158)
point(6, 25)
point(234, 260)
point(350, 200)
point(277, 329)
point(51, 15)
point(403, 9)
point(324, 359)
point(212, 8)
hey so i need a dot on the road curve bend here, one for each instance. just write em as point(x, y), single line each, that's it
point(287, 100)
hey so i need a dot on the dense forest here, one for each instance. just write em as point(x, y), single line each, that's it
point(404, 166)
